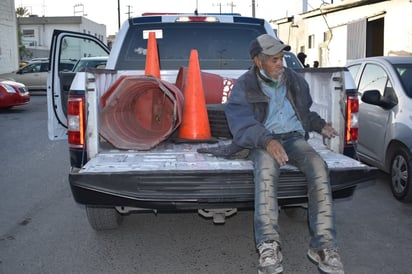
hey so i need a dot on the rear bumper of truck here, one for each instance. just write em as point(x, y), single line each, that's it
point(180, 178)
point(196, 191)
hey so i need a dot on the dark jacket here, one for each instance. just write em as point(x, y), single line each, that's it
point(248, 107)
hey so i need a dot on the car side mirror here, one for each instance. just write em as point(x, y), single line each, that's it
point(374, 97)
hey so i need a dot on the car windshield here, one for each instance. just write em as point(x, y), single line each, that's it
point(219, 45)
point(292, 61)
point(35, 67)
point(405, 75)
point(82, 64)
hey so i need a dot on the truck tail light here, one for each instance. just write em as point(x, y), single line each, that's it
point(351, 127)
point(76, 122)
point(210, 19)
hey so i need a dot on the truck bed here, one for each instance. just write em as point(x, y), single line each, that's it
point(176, 176)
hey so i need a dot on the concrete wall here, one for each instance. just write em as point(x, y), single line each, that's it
point(43, 27)
point(9, 59)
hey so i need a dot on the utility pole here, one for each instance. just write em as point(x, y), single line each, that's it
point(118, 13)
point(128, 11)
point(220, 6)
point(228, 4)
point(43, 6)
point(253, 9)
point(231, 6)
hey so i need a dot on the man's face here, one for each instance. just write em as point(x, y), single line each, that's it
point(272, 65)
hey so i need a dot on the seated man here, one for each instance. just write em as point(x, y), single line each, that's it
point(268, 113)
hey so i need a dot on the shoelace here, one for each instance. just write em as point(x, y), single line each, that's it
point(333, 256)
point(269, 250)
point(331, 252)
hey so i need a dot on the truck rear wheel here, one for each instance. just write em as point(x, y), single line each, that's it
point(103, 218)
point(401, 172)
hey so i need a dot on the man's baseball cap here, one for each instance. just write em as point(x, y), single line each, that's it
point(266, 44)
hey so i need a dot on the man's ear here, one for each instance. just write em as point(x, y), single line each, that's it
point(257, 62)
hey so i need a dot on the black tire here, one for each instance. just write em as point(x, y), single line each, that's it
point(217, 121)
point(400, 171)
point(103, 218)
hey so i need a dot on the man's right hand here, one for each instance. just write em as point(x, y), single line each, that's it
point(275, 149)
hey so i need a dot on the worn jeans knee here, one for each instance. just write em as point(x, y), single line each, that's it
point(320, 204)
point(266, 174)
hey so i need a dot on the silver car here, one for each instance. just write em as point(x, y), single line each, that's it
point(34, 75)
point(385, 118)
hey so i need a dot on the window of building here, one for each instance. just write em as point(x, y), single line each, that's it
point(311, 41)
point(28, 33)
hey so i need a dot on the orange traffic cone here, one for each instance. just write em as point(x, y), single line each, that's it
point(195, 123)
point(152, 57)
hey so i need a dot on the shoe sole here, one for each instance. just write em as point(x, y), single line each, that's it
point(315, 259)
point(276, 270)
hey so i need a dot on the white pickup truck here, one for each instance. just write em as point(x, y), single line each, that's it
point(112, 181)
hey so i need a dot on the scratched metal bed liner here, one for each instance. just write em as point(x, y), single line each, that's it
point(172, 157)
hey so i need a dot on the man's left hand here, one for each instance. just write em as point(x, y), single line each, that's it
point(328, 131)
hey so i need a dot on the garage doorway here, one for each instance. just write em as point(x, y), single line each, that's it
point(375, 37)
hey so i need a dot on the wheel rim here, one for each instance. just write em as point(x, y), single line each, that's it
point(399, 174)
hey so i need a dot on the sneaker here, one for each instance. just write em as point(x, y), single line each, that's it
point(270, 258)
point(328, 260)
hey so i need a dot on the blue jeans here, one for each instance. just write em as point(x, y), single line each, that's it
point(266, 177)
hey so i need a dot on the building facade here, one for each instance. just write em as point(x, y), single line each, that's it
point(37, 31)
point(9, 56)
point(334, 34)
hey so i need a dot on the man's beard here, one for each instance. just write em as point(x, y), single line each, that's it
point(279, 75)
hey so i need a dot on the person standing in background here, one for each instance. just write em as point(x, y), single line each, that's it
point(302, 57)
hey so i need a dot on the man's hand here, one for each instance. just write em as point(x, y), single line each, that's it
point(328, 131)
point(275, 149)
